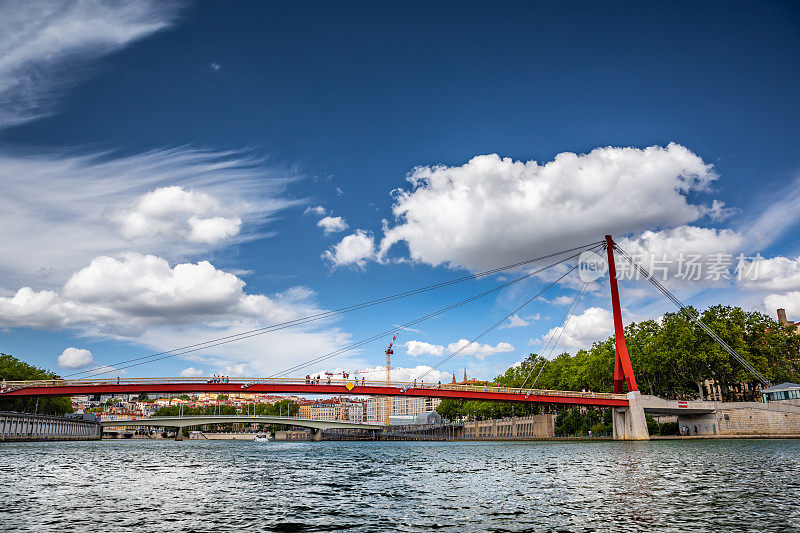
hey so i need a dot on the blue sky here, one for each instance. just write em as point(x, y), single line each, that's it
point(161, 163)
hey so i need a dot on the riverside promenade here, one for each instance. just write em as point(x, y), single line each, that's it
point(29, 427)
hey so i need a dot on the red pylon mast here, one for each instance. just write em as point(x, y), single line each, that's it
point(623, 371)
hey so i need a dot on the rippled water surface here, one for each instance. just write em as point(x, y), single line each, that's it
point(370, 486)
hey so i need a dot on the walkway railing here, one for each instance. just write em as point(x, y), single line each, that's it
point(357, 384)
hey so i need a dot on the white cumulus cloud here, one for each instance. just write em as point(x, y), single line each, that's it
point(191, 372)
point(355, 249)
point(481, 351)
point(332, 225)
point(419, 348)
point(176, 213)
point(317, 210)
point(515, 321)
point(494, 210)
point(772, 274)
point(126, 295)
point(580, 331)
point(75, 358)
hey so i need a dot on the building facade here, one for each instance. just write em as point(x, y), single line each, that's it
point(333, 409)
point(379, 409)
point(783, 321)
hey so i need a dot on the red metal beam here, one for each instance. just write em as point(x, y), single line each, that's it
point(291, 388)
point(622, 361)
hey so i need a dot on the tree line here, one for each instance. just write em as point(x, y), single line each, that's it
point(671, 358)
point(13, 369)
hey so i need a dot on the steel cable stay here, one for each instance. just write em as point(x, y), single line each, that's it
point(335, 312)
point(438, 312)
point(694, 317)
point(570, 316)
point(516, 310)
point(562, 325)
point(246, 335)
point(553, 349)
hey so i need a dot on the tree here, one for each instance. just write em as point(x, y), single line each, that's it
point(13, 369)
point(673, 357)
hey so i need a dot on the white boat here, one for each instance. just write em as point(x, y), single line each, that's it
point(261, 437)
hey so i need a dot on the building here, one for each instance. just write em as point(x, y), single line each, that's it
point(430, 418)
point(785, 392)
point(376, 407)
point(333, 409)
point(736, 392)
point(782, 320)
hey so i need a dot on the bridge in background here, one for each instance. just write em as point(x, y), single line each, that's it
point(190, 421)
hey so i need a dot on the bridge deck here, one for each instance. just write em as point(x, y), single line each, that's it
point(302, 386)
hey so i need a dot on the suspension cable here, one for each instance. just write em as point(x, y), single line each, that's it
point(335, 312)
point(440, 363)
point(245, 335)
point(562, 325)
point(552, 351)
point(694, 317)
point(423, 318)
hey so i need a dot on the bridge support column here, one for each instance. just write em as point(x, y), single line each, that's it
point(316, 435)
point(629, 422)
point(179, 434)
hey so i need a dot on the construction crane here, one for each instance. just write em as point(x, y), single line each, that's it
point(389, 353)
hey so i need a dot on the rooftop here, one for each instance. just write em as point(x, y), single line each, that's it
point(782, 386)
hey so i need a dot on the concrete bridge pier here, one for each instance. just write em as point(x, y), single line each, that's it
point(629, 422)
point(179, 434)
point(316, 435)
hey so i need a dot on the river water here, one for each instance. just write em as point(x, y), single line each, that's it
point(162, 485)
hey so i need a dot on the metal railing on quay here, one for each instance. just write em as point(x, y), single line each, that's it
point(245, 383)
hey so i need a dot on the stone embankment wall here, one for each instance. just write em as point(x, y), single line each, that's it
point(27, 427)
point(527, 427)
point(746, 419)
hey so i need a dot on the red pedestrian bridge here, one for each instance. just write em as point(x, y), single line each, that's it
point(302, 386)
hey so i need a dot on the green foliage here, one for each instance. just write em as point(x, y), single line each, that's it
point(13, 369)
point(577, 421)
point(283, 407)
point(673, 357)
point(670, 358)
point(665, 428)
point(451, 409)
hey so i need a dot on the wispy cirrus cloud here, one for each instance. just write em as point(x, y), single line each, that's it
point(47, 46)
point(62, 210)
